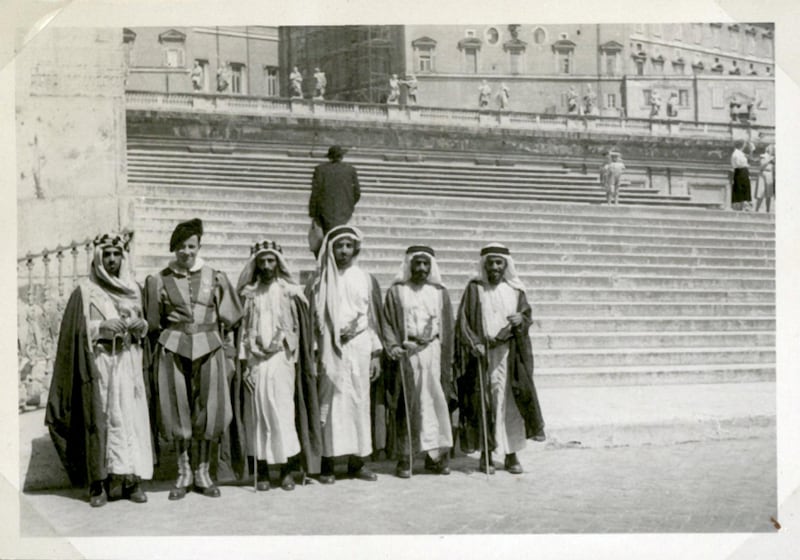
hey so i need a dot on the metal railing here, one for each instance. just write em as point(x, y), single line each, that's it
point(237, 104)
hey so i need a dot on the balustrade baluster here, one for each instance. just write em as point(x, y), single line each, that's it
point(29, 265)
point(89, 255)
point(74, 253)
point(60, 258)
point(46, 285)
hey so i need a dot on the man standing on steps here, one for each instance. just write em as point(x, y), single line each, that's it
point(97, 411)
point(418, 336)
point(191, 309)
point(492, 344)
point(334, 191)
point(347, 320)
point(275, 389)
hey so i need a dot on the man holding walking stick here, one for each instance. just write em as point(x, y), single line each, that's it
point(418, 337)
point(498, 405)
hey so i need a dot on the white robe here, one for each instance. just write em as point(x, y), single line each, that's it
point(497, 303)
point(422, 309)
point(120, 389)
point(270, 431)
point(344, 385)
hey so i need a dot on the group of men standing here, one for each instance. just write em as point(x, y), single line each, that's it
point(274, 373)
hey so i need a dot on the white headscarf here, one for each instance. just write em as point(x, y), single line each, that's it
point(325, 285)
point(434, 277)
point(248, 278)
point(499, 250)
point(124, 286)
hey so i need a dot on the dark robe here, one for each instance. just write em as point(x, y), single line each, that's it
point(468, 333)
point(306, 402)
point(394, 335)
point(334, 194)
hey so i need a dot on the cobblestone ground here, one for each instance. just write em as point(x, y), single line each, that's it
point(715, 486)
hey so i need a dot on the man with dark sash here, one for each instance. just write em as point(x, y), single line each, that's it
point(418, 336)
point(347, 319)
point(192, 308)
point(97, 411)
point(492, 336)
point(275, 390)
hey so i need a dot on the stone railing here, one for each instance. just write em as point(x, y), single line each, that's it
point(246, 105)
point(44, 282)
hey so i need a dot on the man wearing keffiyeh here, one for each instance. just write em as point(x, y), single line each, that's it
point(97, 411)
point(418, 336)
point(275, 393)
point(492, 335)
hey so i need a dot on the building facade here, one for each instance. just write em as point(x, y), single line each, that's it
point(224, 60)
point(705, 72)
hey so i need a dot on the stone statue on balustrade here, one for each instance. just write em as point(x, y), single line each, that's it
point(503, 97)
point(320, 83)
point(197, 76)
point(394, 91)
point(572, 101)
point(672, 105)
point(412, 86)
point(223, 77)
point(296, 83)
point(655, 104)
point(589, 101)
point(484, 94)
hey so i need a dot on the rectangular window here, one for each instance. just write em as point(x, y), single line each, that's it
point(639, 67)
point(715, 37)
point(564, 62)
point(271, 77)
point(751, 45)
point(173, 58)
point(658, 66)
point(611, 100)
point(697, 32)
point(677, 31)
point(611, 64)
point(516, 62)
point(238, 78)
point(471, 60)
point(683, 98)
point(646, 97)
point(734, 40)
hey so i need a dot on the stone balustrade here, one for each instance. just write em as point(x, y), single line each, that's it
point(246, 105)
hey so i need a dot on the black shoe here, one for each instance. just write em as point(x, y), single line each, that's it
point(97, 495)
point(512, 464)
point(403, 469)
point(482, 465)
point(262, 485)
point(364, 474)
point(287, 481)
point(116, 488)
point(327, 479)
point(208, 491)
point(539, 436)
point(437, 467)
point(176, 493)
point(135, 493)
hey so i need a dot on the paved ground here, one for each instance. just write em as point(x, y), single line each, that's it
point(711, 486)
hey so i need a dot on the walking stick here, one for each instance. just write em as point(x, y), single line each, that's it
point(408, 415)
point(255, 441)
point(483, 412)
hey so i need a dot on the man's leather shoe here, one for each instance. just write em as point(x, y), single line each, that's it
point(135, 494)
point(262, 485)
point(539, 436)
point(176, 493)
point(364, 474)
point(208, 491)
point(287, 482)
point(512, 464)
point(403, 469)
point(98, 500)
point(327, 479)
point(437, 467)
point(482, 465)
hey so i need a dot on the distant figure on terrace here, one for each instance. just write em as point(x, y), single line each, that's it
point(394, 90)
point(572, 101)
point(765, 188)
point(412, 85)
point(672, 105)
point(612, 176)
point(334, 191)
point(484, 94)
point(197, 76)
point(740, 185)
point(223, 77)
point(589, 100)
point(296, 83)
point(503, 96)
point(320, 83)
point(655, 104)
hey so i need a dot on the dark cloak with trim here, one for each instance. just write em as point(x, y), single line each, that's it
point(469, 333)
point(394, 335)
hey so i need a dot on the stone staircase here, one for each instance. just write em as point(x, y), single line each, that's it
point(627, 295)
point(268, 167)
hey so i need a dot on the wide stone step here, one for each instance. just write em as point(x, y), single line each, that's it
point(543, 324)
point(606, 376)
point(594, 358)
point(657, 339)
point(261, 205)
point(400, 201)
point(664, 295)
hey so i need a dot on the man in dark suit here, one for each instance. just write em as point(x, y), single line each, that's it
point(334, 191)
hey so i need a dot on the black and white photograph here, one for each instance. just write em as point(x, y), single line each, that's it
point(403, 282)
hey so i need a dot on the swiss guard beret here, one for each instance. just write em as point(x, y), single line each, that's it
point(184, 231)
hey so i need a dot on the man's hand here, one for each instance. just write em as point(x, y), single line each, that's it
point(410, 346)
point(111, 328)
point(374, 368)
point(515, 319)
point(249, 380)
point(478, 350)
point(396, 352)
point(503, 334)
point(137, 327)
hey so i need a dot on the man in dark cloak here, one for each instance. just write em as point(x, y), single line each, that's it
point(492, 342)
point(334, 191)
